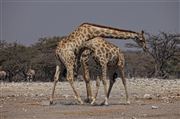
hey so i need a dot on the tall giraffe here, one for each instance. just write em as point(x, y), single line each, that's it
point(70, 46)
point(106, 55)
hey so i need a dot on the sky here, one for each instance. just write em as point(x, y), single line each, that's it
point(25, 21)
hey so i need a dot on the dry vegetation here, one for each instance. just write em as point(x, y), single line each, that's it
point(161, 61)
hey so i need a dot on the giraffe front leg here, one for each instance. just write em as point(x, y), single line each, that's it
point(87, 79)
point(124, 83)
point(111, 83)
point(97, 89)
point(89, 92)
point(70, 77)
point(56, 77)
point(104, 69)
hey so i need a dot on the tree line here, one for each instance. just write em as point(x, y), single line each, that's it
point(161, 61)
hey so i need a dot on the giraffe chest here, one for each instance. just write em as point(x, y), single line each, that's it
point(69, 46)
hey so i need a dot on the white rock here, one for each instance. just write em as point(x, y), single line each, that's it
point(154, 107)
point(25, 110)
point(66, 96)
point(133, 118)
point(147, 96)
point(158, 95)
point(144, 115)
point(41, 94)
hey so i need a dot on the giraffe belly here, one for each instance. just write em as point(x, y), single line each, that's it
point(112, 62)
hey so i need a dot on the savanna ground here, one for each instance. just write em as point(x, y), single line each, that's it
point(150, 99)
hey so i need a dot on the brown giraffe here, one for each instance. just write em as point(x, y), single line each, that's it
point(107, 56)
point(69, 47)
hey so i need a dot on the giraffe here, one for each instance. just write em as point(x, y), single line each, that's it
point(69, 47)
point(107, 55)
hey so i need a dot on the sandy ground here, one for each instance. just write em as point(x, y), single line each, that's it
point(150, 99)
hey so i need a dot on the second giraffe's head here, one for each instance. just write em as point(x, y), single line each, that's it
point(141, 41)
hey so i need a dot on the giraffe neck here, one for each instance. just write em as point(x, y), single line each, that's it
point(87, 31)
point(94, 30)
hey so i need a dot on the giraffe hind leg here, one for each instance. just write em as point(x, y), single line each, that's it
point(121, 68)
point(56, 77)
point(89, 92)
point(97, 89)
point(87, 78)
point(70, 77)
point(111, 83)
point(104, 73)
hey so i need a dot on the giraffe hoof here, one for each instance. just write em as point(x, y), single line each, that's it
point(93, 101)
point(105, 103)
point(50, 102)
point(80, 101)
point(128, 102)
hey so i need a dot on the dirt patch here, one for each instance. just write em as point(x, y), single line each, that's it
point(150, 99)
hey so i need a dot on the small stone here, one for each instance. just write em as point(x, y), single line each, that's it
point(66, 96)
point(154, 107)
point(136, 96)
point(147, 96)
point(165, 98)
point(25, 110)
point(34, 117)
point(144, 115)
point(158, 95)
point(172, 97)
point(41, 94)
point(133, 118)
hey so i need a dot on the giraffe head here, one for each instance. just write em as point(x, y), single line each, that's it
point(141, 41)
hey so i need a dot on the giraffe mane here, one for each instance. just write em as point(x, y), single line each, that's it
point(102, 26)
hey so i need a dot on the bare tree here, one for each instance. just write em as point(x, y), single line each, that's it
point(164, 50)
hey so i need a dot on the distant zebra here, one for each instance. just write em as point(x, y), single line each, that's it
point(30, 75)
point(3, 75)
